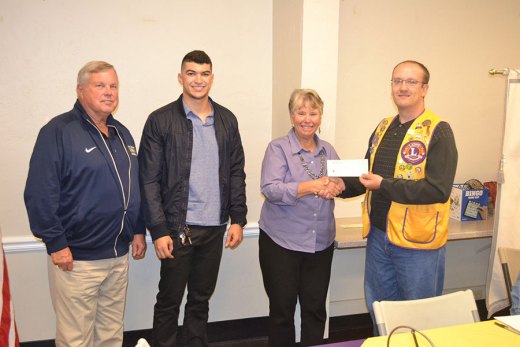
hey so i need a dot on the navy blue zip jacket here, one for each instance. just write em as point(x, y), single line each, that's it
point(74, 193)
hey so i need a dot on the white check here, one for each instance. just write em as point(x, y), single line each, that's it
point(347, 168)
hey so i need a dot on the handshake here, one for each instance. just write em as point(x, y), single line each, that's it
point(328, 187)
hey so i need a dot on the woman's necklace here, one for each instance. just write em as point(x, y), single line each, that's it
point(308, 170)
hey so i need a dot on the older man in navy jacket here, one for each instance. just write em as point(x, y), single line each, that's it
point(82, 198)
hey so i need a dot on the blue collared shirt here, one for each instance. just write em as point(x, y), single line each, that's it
point(305, 224)
point(204, 188)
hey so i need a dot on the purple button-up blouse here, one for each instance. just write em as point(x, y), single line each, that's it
point(305, 224)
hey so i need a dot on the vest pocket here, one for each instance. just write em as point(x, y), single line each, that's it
point(413, 223)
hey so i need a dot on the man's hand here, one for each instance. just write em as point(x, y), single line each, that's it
point(62, 259)
point(337, 186)
point(234, 236)
point(371, 181)
point(164, 247)
point(138, 246)
point(333, 188)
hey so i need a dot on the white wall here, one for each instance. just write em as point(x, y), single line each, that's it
point(44, 43)
point(321, 19)
point(287, 60)
point(42, 46)
point(459, 41)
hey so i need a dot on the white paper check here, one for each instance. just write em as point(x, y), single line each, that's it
point(347, 168)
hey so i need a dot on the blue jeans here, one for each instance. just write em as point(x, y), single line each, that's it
point(394, 273)
point(515, 296)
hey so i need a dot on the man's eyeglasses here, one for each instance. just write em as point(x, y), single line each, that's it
point(410, 82)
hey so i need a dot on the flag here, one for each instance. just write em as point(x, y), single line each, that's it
point(505, 231)
point(8, 332)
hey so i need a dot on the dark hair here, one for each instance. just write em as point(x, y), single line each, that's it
point(198, 57)
point(425, 70)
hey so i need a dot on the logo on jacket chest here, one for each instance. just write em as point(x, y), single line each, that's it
point(413, 152)
point(132, 150)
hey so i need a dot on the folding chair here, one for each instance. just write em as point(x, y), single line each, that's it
point(436, 312)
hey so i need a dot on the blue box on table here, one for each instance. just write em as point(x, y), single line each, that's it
point(468, 204)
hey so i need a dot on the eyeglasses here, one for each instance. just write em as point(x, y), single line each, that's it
point(410, 82)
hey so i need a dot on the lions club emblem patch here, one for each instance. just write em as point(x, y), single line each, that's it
point(414, 152)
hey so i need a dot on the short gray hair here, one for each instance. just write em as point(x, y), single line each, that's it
point(92, 67)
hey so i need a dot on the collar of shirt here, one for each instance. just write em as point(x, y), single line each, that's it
point(84, 114)
point(297, 148)
point(396, 123)
point(210, 119)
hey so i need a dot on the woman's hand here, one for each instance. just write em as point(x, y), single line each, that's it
point(332, 188)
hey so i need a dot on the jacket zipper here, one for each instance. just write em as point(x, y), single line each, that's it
point(125, 201)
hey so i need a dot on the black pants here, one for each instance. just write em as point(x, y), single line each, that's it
point(288, 276)
point(196, 266)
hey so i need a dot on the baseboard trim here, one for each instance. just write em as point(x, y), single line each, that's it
point(23, 244)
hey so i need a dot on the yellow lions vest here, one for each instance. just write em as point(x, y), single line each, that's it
point(411, 226)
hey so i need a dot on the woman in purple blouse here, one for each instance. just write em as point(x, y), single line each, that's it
point(297, 227)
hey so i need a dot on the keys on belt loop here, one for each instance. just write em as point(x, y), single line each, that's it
point(185, 236)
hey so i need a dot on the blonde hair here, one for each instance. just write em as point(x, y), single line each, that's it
point(300, 96)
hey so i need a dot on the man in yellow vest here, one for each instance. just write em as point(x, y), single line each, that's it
point(413, 159)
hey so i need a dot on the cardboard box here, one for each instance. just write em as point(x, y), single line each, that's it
point(468, 204)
